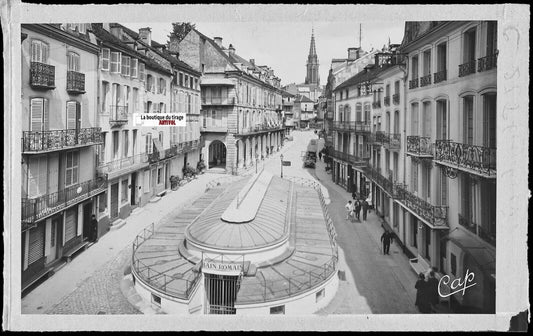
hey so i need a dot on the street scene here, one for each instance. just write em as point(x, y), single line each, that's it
point(169, 170)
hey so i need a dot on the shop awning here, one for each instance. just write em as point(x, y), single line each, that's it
point(483, 256)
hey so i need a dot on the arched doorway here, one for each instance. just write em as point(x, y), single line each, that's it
point(217, 154)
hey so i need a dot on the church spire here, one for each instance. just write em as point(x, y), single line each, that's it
point(312, 62)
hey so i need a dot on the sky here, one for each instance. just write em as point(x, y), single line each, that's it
point(284, 46)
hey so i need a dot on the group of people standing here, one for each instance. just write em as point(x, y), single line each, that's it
point(427, 292)
point(353, 209)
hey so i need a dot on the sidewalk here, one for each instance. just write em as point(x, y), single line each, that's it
point(383, 283)
point(43, 298)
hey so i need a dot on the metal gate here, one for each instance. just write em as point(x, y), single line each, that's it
point(221, 293)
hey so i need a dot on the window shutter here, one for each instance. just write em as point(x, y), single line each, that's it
point(37, 110)
point(125, 65)
point(115, 62)
point(105, 59)
point(133, 71)
point(71, 114)
point(141, 72)
point(35, 51)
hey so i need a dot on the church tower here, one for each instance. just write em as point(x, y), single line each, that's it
point(312, 63)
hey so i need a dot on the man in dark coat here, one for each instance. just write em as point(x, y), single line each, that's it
point(365, 208)
point(422, 300)
point(357, 209)
point(386, 239)
point(94, 229)
point(433, 290)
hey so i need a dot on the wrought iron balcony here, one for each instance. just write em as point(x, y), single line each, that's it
point(435, 215)
point(36, 209)
point(349, 158)
point(384, 183)
point(477, 229)
point(376, 104)
point(413, 84)
point(386, 100)
point(393, 141)
point(119, 115)
point(356, 126)
point(396, 98)
point(488, 62)
point(470, 158)
point(46, 141)
point(75, 82)
point(378, 138)
point(425, 80)
point(218, 101)
point(42, 76)
point(419, 146)
point(467, 68)
point(154, 156)
point(439, 76)
point(123, 165)
point(258, 129)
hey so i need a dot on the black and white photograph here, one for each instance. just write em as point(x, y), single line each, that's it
point(350, 167)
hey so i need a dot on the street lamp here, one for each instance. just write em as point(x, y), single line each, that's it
point(281, 157)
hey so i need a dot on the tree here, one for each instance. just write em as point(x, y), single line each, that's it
point(180, 30)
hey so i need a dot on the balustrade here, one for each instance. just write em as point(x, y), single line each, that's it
point(436, 215)
point(425, 80)
point(439, 76)
point(396, 98)
point(467, 68)
point(75, 82)
point(418, 145)
point(42, 76)
point(413, 84)
point(59, 139)
point(386, 100)
point(488, 62)
point(471, 157)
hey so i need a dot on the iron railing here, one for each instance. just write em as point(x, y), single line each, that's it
point(439, 76)
point(386, 100)
point(42, 76)
point(436, 215)
point(419, 145)
point(75, 82)
point(478, 230)
point(218, 101)
point(413, 83)
point(396, 98)
point(122, 163)
point(354, 160)
point(425, 80)
point(119, 115)
point(356, 126)
point(467, 68)
point(182, 287)
point(35, 209)
point(478, 158)
point(376, 104)
point(59, 139)
point(488, 62)
point(258, 128)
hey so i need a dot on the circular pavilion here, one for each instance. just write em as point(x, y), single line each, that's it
point(250, 245)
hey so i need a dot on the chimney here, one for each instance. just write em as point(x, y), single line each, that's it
point(231, 49)
point(145, 34)
point(116, 30)
point(218, 41)
point(173, 45)
point(353, 53)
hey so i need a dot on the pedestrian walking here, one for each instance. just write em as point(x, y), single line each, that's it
point(433, 290)
point(354, 195)
point(349, 209)
point(422, 300)
point(386, 240)
point(357, 209)
point(94, 229)
point(364, 205)
point(320, 156)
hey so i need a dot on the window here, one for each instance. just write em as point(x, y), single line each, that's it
point(428, 242)
point(125, 65)
point(82, 28)
point(414, 67)
point(181, 79)
point(358, 112)
point(39, 114)
point(159, 175)
point(115, 62)
point(468, 120)
point(492, 37)
point(427, 62)
point(133, 69)
point(124, 191)
point(160, 137)
point(39, 51)
point(115, 145)
point(469, 51)
point(467, 201)
point(443, 188)
point(147, 184)
point(53, 233)
point(135, 99)
point(414, 119)
point(426, 125)
point(414, 176)
point(73, 114)
point(397, 87)
point(142, 72)
point(441, 57)
point(186, 84)
point(453, 264)
point(442, 120)
point(125, 143)
point(105, 58)
point(277, 310)
point(149, 145)
point(71, 172)
point(37, 176)
point(73, 61)
point(489, 120)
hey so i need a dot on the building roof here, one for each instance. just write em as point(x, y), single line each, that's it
point(302, 99)
point(368, 74)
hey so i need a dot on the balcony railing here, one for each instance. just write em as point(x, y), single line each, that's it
point(419, 146)
point(384, 182)
point(467, 68)
point(393, 141)
point(75, 82)
point(349, 158)
point(488, 62)
point(356, 126)
point(434, 214)
point(36, 142)
point(413, 84)
point(467, 157)
point(378, 138)
point(477, 230)
point(439, 76)
point(376, 104)
point(124, 163)
point(258, 128)
point(36, 209)
point(42, 76)
point(396, 98)
point(218, 101)
point(386, 100)
point(119, 115)
point(425, 80)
